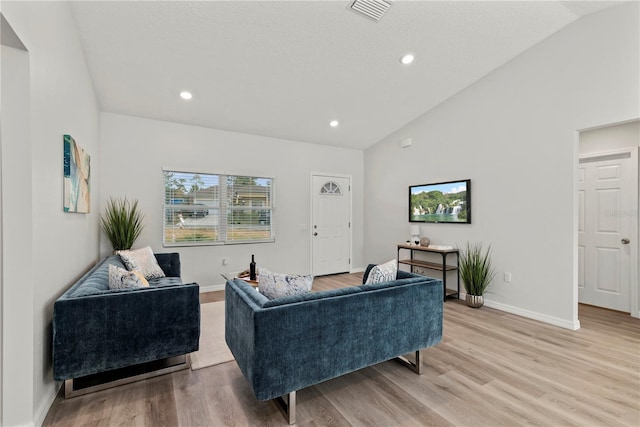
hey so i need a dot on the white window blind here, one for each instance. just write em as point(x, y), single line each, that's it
point(209, 209)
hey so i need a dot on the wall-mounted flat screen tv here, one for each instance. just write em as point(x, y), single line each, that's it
point(445, 202)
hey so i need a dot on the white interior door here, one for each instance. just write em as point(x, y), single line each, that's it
point(607, 198)
point(330, 225)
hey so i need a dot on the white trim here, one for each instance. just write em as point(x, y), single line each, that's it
point(42, 412)
point(576, 222)
point(634, 252)
point(573, 325)
point(334, 175)
point(212, 288)
point(566, 324)
point(24, 425)
point(357, 270)
point(252, 174)
point(607, 125)
point(596, 156)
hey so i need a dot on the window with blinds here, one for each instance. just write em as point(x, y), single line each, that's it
point(209, 209)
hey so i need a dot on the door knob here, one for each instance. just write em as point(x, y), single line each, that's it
point(625, 241)
point(315, 234)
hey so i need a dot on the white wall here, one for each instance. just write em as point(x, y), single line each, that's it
point(134, 151)
point(58, 247)
point(513, 134)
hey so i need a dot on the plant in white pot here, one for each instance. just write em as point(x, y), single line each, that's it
point(122, 223)
point(477, 272)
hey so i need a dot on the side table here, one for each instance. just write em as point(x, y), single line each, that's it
point(444, 267)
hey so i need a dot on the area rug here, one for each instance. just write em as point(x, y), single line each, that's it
point(213, 348)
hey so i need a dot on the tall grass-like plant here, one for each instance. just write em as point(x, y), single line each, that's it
point(122, 223)
point(476, 269)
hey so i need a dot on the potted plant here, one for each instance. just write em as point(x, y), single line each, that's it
point(122, 223)
point(477, 272)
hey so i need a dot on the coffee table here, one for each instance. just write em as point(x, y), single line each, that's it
point(253, 283)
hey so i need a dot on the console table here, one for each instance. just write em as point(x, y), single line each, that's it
point(444, 267)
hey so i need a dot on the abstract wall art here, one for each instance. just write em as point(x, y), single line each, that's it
point(77, 172)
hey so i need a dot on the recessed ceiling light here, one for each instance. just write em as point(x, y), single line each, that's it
point(334, 123)
point(407, 58)
point(186, 95)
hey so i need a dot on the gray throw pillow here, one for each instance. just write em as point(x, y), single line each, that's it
point(119, 279)
point(274, 285)
point(143, 261)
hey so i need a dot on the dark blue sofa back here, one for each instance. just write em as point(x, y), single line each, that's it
point(287, 344)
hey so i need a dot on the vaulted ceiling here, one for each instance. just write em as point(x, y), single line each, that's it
point(285, 69)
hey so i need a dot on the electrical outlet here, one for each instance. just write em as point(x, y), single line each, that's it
point(507, 277)
point(225, 261)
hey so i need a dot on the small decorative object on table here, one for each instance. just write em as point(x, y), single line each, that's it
point(425, 241)
point(252, 268)
point(415, 235)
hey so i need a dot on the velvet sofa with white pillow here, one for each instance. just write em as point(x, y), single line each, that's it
point(98, 330)
point(285, 344)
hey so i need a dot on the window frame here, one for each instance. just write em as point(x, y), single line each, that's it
point(224, 211)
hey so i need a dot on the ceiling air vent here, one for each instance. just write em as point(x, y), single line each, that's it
point(374, 9)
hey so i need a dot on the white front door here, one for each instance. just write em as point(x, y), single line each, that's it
point(330, 225)
point(606, 203)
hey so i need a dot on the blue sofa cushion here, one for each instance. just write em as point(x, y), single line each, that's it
point(96, 281)
point(165, 281)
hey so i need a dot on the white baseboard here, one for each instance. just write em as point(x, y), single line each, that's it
point(212, 288)
point(567, 324)
point(357, 270)
point(42, 412)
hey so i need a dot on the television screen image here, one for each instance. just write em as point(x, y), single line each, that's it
point(446, 202)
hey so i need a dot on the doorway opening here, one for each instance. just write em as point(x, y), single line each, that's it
point(607, 204)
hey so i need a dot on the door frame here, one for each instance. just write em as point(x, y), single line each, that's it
point(634, 232)
point(310, 228)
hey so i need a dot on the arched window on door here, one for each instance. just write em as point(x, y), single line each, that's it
point(331, 188)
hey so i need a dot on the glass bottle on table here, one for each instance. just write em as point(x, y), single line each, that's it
point(252, 268)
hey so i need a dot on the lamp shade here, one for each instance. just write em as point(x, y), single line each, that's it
point(415, 230)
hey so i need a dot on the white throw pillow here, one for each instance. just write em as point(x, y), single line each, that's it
point(119, 278)
point(383, 272)
point(142, 260)
point(274, 285)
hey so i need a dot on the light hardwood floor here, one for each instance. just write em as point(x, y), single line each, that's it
point(491, 369)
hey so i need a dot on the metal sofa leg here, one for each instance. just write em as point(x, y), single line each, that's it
point(287, 404)
point(143, 371)
point(414, 366)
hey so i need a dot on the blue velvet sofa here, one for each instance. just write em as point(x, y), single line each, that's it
point(97, 330)
point(286, 344)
